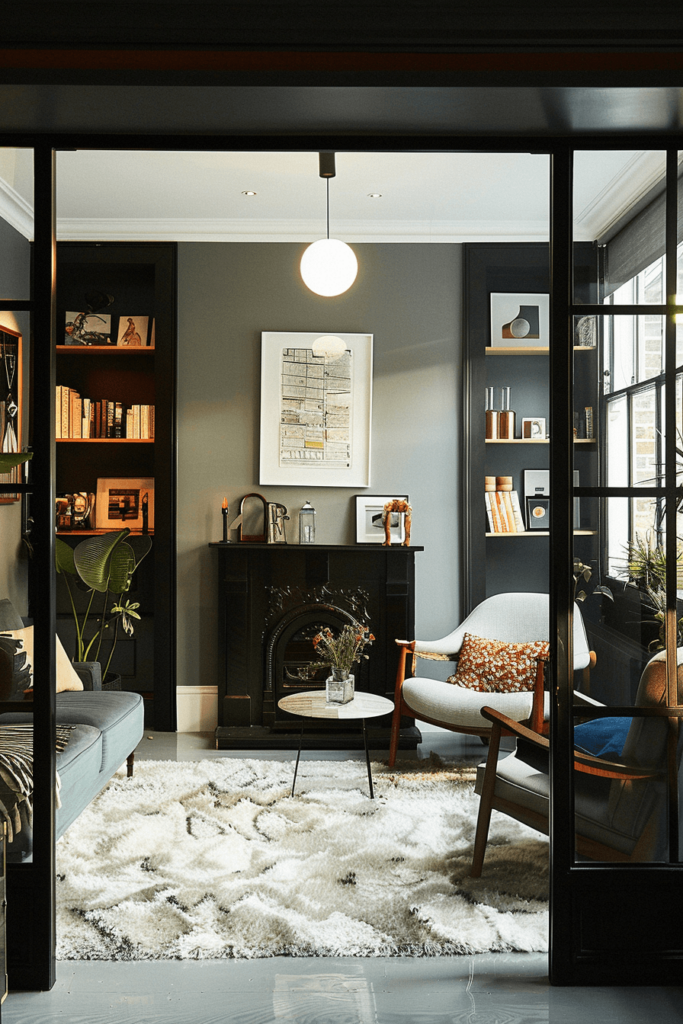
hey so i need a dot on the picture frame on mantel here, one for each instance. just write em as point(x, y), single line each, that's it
point(316, 409)
point(369, 525)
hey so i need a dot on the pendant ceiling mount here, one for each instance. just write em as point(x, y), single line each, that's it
point(328, 266)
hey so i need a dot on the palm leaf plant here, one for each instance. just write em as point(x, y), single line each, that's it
point(101, 565)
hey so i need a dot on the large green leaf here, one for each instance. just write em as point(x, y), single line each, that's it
point(93, 557)
point(8, 460)
point(121, 568)
point(64, 557)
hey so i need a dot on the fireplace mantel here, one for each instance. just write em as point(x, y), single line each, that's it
point(260, 588)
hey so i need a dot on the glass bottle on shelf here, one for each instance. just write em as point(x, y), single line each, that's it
point(492, 415)
point(506, 417)
point(307, 524)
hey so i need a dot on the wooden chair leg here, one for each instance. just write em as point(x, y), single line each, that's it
point(484, 816)
point(129, 765)
point(398, 700)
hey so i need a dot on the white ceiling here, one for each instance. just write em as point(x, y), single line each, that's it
point(425, 197)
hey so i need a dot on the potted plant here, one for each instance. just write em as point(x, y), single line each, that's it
point(101, 565)
point(340, 652)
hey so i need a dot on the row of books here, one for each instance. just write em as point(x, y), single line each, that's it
point(503, 512)
point(78, 417)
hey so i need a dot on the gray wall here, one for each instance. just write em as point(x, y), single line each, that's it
point(408, 297)
point(15, 283)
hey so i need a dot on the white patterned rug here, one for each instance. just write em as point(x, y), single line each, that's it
point(213, 858)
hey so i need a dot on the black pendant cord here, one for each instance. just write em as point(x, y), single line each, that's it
point(327, 180)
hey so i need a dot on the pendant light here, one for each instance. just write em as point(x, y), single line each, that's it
point(328, 266)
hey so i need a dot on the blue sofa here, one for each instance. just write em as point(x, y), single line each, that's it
point(109, 724)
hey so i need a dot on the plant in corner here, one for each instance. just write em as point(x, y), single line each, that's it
point(104, 564)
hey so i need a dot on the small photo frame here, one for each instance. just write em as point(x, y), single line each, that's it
point(125, 501)
point(520, 320)
point(369, 526)
point(87, 329)
point(132, 331)
point(538, 513)
point(533, 428)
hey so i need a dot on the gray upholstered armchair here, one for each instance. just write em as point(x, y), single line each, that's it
point(620, 799)
point(512, 618)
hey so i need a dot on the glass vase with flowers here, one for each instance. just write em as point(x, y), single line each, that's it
point(340, 651)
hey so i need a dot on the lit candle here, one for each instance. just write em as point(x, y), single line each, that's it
point(225, 510)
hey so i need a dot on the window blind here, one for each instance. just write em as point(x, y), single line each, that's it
point(640, 242)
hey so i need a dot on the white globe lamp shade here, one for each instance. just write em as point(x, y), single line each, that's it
point(329, 346)
point(329, 267)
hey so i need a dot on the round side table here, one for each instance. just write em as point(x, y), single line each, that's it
point(313, 705)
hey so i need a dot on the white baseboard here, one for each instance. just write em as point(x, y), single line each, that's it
point(197, 708)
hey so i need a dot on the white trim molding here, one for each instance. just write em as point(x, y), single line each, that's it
point(16, 210)
point(197, 708)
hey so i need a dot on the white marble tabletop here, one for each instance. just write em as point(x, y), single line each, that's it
point(312, 704)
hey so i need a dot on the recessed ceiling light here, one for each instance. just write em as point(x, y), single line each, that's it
point(374, 195)
point(249, 193)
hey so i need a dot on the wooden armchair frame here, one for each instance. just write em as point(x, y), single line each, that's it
point(501, 725)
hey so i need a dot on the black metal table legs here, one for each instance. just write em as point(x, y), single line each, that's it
point(367, 758)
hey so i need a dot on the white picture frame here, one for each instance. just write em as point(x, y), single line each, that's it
point(520, 320)
point(369, 526)
point(297, 446)
point(132, 492)
point(132, 331)
point(534, 428)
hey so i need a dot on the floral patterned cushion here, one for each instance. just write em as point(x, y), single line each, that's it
point(497, 667)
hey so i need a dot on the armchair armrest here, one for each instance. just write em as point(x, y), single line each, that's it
point(582, 762)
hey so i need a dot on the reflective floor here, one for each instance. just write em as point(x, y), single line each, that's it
point(496, 988)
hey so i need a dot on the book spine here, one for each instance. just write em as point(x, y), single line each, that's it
point(152, 421)
point(489, 513)
point(500, 504)
point(509, 511)
point(129, 423)
point(136, 421)
point(495, 513)
point(85, 421)
point(77, 416)
point(110, 419)
point(65, 412)
point(144, 422)
point(517, 510)
point(118, 419)
point(58, 411)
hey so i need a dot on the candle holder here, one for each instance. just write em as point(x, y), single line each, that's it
point(225, 509)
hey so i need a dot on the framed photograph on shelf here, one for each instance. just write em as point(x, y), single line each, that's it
point(520, 320)
point(11, 391)
point(132, 331)
point(369, 526)
point(533, 428)
point(125, 501)
point(538, 513)
point(87, 329)
point(316, 409)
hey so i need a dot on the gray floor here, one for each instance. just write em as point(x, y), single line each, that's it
point(486, 989)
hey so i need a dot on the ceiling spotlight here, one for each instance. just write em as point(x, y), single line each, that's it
point(248, 193)
point(374, 195)
point(328, 266)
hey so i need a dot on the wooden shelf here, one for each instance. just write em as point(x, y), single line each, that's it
point(534, 440)
point(96, 533)
point(105, 440)
point(135, 350)
point(530, 350)
point(542, 533)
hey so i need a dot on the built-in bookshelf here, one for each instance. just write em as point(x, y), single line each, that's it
point(114, 410)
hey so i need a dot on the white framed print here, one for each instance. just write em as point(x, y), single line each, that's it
point(369, 525)
point(520, 320)
point(533, 428)
point(125, 501)
point(316, 409)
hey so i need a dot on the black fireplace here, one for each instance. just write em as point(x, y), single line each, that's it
point(273, 599)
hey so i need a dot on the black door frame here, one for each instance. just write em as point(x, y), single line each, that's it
point(661, 886)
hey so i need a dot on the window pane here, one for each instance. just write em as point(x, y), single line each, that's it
point(16, 225)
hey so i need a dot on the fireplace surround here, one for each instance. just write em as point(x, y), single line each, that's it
point(272, 600)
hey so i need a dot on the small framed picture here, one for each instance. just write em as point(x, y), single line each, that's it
point(538, 513)
point(533, 428)
point(87, 329)
point(369, 526)
point(132, 331)
point(519, 320)
point(125, 501)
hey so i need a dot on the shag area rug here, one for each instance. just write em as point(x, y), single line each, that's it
point(214, 859)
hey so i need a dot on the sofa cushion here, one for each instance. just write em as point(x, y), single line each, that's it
point(79, 773)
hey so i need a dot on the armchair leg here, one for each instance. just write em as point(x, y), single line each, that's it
point(129, 765)
point(395, 729)
point(484, 816)
point(404, 648)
